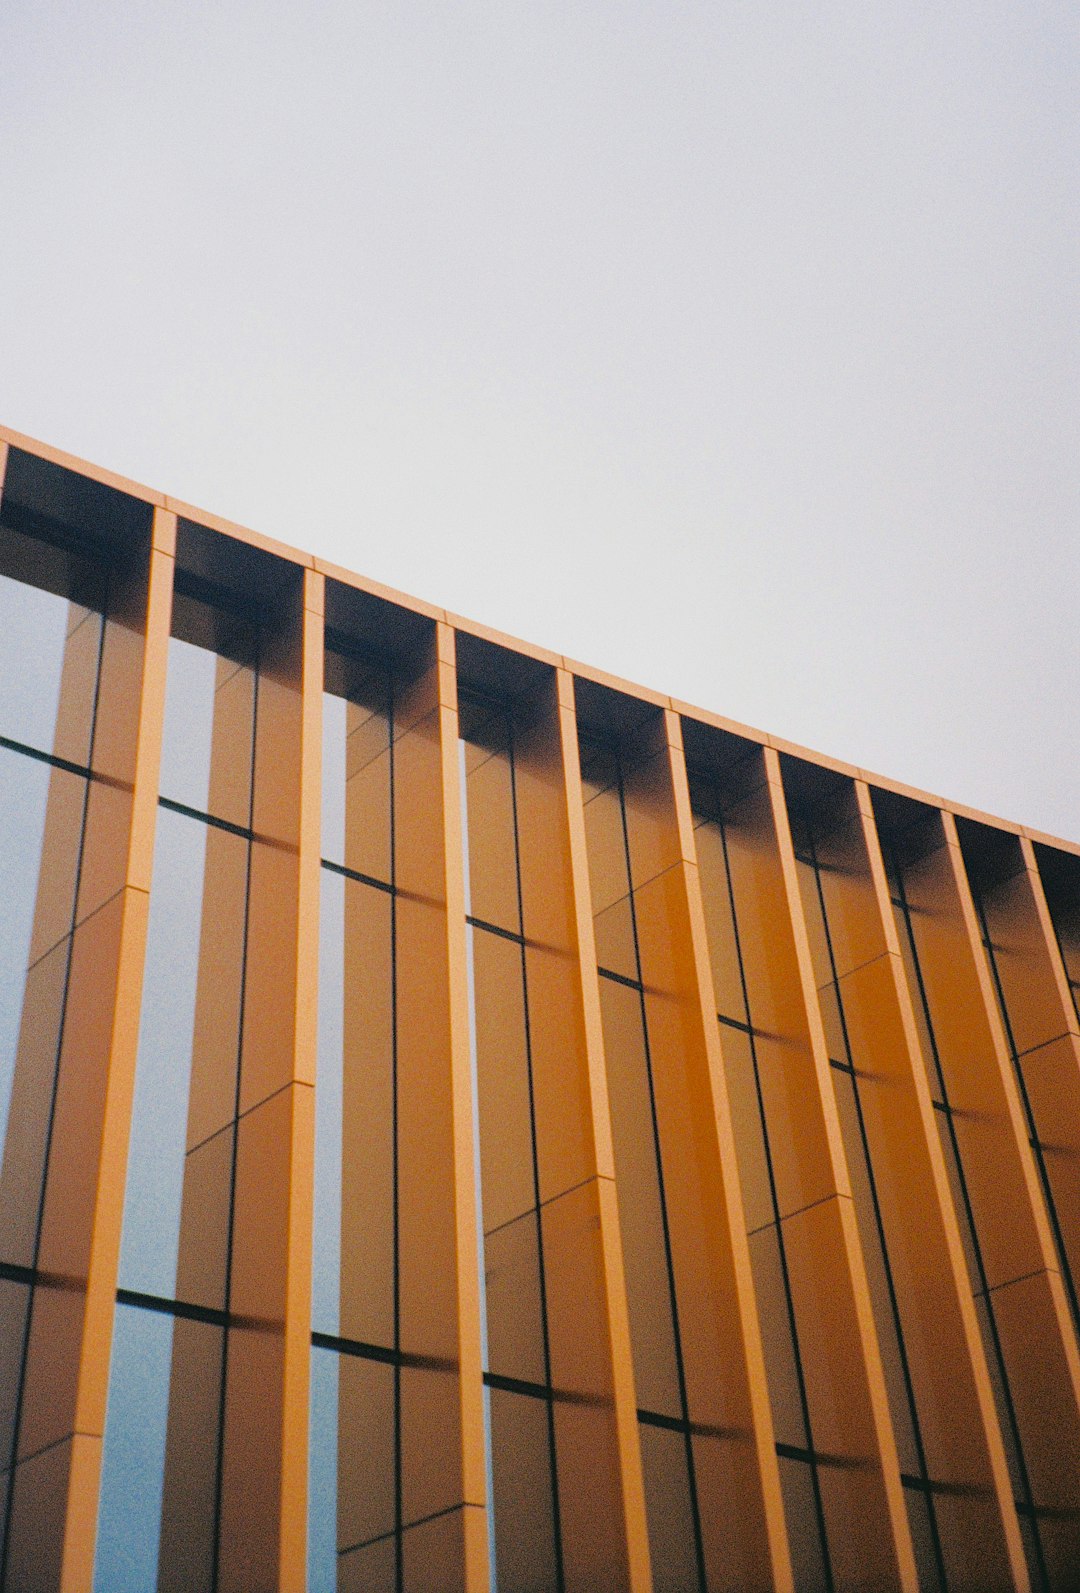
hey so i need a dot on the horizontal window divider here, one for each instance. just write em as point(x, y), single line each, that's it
point(382, 1353)
point(736, 1023)
point(495, 929)
point(357, 1347)
point(554, 1396)
point(406, 1526)
point(517, 1385)
point(1046, 1512)
point(167, 1307)
point(959, 1490)
point(653, 1418)
point(819, 1457)
point(50, 758)
point(622, 979)
point(14, 1273)
point(360, 878)
point(677, 1424)
point(206, 818)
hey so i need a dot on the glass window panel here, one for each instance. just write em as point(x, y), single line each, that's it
point(909, 952)
point(748, 1127)
point(960, 1206)
point(353, 1284)
point(365, 1428)
point(14, 1305)
point(326, 1239)
point(24, 791)
point(188, 1040)
point(720, 922)
point(640, 1210)
point(524, 1525)
point(133, 1464)
point(351, 1473)
point(332, 843)
point(804, 1533)
point(323, 1472)
point(188, 729)
point(503, 1088)
point(777, 1340)
point(206, 749)
point(899, 1405)
point(515, 1330)
point(36, 640)
point(922, 1536)
point(1031, 1551)
point(609, 878)
point(616, 949)
point(835, 1038)
point(489, 795)
point(993, 1364)
point(669, 1510)
point(371, 1569)
point(357, 710)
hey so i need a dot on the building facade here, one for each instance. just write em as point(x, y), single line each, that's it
point(469, 1123)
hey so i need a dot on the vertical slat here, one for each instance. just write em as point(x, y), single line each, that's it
point(881, 1533)
point(707, 1514)
point(298, 1264)
point(958, 1406)
point(771, 1499)
point(468, 1265)
point(625, 1403)
point(1023, 1277)
point(93, 1375)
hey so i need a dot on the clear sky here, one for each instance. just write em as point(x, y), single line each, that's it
point(731, 346)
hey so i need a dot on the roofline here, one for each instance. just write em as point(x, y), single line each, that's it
point(284, 550)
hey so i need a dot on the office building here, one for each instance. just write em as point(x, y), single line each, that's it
point(470, 1123)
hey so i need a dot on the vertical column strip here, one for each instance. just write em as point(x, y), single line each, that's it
point(301, 1196)
point(464, 1130)
point(853, 1275)
point(93, 1376)
point(752, 1348)
point(626, 1424)
point(1027, 1303)
point(915, 1078)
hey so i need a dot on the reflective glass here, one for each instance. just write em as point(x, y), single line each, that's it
point(323, 1473)
point(353, 1284)
point(804, 1535)
point(188, 1056)
point(24, 793)
point(207, 739)
point(133, 1464)
point(670, 1511)
point(525, 1545)
point(188, 728)
point(37, 640)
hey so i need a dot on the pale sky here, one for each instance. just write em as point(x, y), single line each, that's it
point(731, 347)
